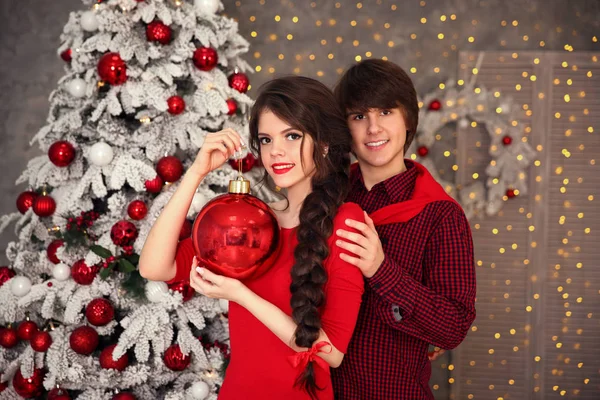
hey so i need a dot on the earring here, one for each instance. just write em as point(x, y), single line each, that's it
point(277, 189)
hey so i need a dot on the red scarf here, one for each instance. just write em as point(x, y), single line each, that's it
point(427, 190)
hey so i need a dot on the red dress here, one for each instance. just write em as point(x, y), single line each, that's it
point(259, 367)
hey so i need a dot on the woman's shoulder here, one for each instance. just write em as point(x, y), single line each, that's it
point(349, 211)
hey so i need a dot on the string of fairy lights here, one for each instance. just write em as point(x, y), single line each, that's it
point(321, 38)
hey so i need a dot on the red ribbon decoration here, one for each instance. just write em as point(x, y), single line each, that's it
point(301, 359)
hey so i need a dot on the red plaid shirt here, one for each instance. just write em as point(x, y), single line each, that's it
point(423, 293)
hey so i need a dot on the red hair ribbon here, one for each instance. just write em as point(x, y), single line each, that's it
point(301, 359)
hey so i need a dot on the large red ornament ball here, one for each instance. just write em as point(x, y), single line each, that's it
point(112, 69)
point(67, 55)
point(8, 337)
point(232, 106)
point(510, 193)
point(156, 31)
point(174, 358)
point(51, 250)
point(99, 312)
point(25, 201)
point(184, 288)
point(107, 362)
point(205, 58)
point(137, 210)
point(29, 388)
point(506, 140)
point(84, 340)
point(169, 168)
point(239, 82)
point(58, 394)
point(26, 330)
point(236, 235)
point(154, 185)
point(61, 153)
point(123, 233)
point(44, 206)
point(435, 105)
point(82, 273)
point(176, 105)
point(246, 163)
point(5, 274)
point(124, 395)
point(41, 341)
point(186, 230)
point(423, 151)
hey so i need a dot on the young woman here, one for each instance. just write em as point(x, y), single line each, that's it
point(290, 325)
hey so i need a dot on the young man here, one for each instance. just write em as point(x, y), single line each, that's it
point(416, 252)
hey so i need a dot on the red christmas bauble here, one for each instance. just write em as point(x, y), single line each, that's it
point(3, 386)
point(123, 233)
point(247, 163)
point(205, 58)
point(239, 82)
point(112, 69)
point(510, 193)
point(26, 330)
point(41, 341)
point(51, 250)
point(44, 206)
point(31, 387)
point(25, 201)
point(169, 168)
point(232, 106)
point(154, 185)
point(423, 151)
point(67, 55)
point(186, 230)
point(176, 105)
point(8, 337)
point(174, 358)
point(107, 362)
point(82, 273)
point(156, 31)
point(6, 273)
point(184, 288)
point(99, 312)
point(137, 210)
point(84, 340)
point(435, 105)
point(61, 153)
point(236, 235)
point(58, 394)
point(506, 140)
point(124, 395)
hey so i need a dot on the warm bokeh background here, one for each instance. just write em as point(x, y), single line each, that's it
point(538, 325)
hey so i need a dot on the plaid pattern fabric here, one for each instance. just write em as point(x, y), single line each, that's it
point(423, 293)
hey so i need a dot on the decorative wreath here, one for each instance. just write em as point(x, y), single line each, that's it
point(511, 154)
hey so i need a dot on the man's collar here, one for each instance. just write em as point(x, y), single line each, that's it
point(399, 187)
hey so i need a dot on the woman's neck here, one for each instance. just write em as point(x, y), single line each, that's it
point(290, 216)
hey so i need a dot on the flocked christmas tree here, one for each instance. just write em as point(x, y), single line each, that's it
point(145, 81)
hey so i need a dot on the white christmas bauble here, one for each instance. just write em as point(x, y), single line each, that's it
point(101, 154)
point(207, 6)
point(155, 290)
point(198, 201)
point(89, 22)
point(61, 272)
point(199, 390)
point(224, 304)
point(463, 123)
point(20, 285)
point(77, 87)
